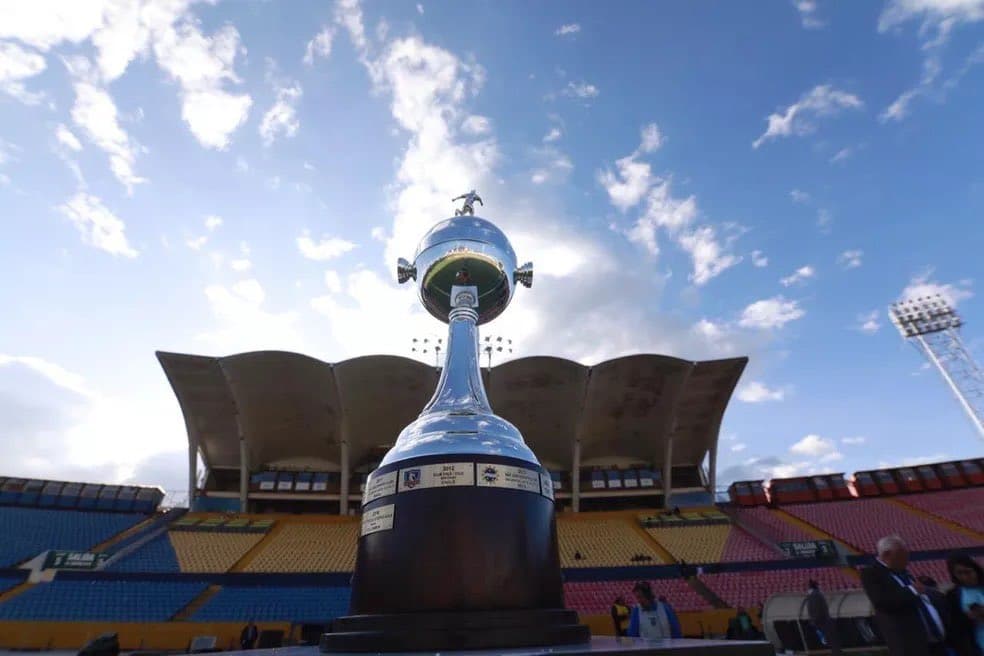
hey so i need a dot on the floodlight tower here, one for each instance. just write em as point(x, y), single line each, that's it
point(930, 324)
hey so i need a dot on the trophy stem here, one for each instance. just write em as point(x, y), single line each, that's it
point(460, 391)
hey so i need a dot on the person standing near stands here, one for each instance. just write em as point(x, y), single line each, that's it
point(620, 615)
point(819, 612)
point(906, 617)
point(249, 635)
point(651, 618)
point(965, 600)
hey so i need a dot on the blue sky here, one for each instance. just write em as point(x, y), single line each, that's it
point(693, 178)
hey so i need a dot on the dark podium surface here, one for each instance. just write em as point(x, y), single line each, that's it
point(599, 646)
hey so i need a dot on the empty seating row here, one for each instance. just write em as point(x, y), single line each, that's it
point(29, 531)
point(770, 523)
point(751, 589)
point(85, 496)
point(315, 605)
point(964, 507)
point(189, 551)
point(742, 547)
point(121, 601)
point(862, 522)
point(309, 547)
point(602, 543)
point(694, 544)
point(595, 598)
point(8, 582)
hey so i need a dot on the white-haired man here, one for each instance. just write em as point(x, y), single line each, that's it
point(906, 618)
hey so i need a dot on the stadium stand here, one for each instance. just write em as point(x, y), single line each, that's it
point(741, 546)
point(309, 547)
point(211, 552)
point(749, 589)
point(155, 556)
point(29, 531)
point(694, 544)
point(272, 603)
point(772, 524)
point(8, 582)
point(862, 522)
point(962, 507)
point(121, 601)
point(596, 598)
point(602, 543)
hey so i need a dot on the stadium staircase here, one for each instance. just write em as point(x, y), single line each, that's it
point(258, 548)
point(10, 593)
point(129, 542)
point(933, 517)
point(186, 613)
point(663, 552)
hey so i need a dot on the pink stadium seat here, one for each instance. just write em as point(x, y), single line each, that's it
point(743, 547)
point(935, 568)
point(596, 598)
point(774, 526)
point(959, 506)
point(861, 522)
point(749, 589)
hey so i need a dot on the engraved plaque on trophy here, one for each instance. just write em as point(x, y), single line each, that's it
point(458, 543)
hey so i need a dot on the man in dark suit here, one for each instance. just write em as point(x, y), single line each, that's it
point(819, 612)
point(906, 618)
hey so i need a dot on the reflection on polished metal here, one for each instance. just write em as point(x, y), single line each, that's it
point(458, 547)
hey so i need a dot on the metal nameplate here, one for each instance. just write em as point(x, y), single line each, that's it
point(631, 482)
point(380, 485)
point(378, 519)
point(516, 478)
point(445, 474)
point(546, 486)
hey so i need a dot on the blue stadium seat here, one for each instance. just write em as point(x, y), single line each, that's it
point(121, 601)
point(8, 582)
point(275, 604)
point(155, 556)
point(29, 531)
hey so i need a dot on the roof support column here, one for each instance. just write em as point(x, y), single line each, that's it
point(192, 468)
point(576, 478)
point(243, 474)
point(343, 499)
point(712, 463)
point(668, 470)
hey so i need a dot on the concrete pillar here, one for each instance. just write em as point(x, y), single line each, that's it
point(712, 461)
point(344, 490)
point(243, 475)
point(192, 468)
point(668, 471)
point(576, 478)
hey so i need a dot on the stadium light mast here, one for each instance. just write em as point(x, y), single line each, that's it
point(931, 325)
point(493, 344)
point(429, 344)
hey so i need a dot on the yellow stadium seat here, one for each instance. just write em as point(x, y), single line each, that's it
point(210, 551)
point(602, 543)
point(694, 544)
point(314, 547)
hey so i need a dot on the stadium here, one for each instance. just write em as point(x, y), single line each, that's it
point(286, 441)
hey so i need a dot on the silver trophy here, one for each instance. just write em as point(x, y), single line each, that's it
point(458, 543)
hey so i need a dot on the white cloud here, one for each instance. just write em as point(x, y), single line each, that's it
point(800, 118)
point(567, 29)
point(99, 227)
point(842, 155)
point(319, 46)
point(539, 176)
point(240, 265)
point(868, 322)
point(706, 253)
point(799, 196)
point(378, 233)
point(850, 259)
point(770, 313)
point(652, 138)
point(581, 90)
point(756, 392)
point(203, 66)
point(801, 274)
point(327, 248)
point(759, 260)
point(553, 135)
point(54, 373)
point(738, 447)
point(196, 243)
point(476, 125)
point(824, 219)
point(16, 65)
point(814, 446)
point(808, 14)
point(281, 119)
point(348, 14)
point(420, 9)
point(213, 221)
point(95, 112)
point(853, 441)
point(244, 323)
point(920, 285)
point(66, 138)
point(628, 184)
point(333, 282)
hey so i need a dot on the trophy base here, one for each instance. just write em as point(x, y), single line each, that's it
point(442, 631)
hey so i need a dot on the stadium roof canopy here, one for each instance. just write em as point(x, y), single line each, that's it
point(296, 412)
